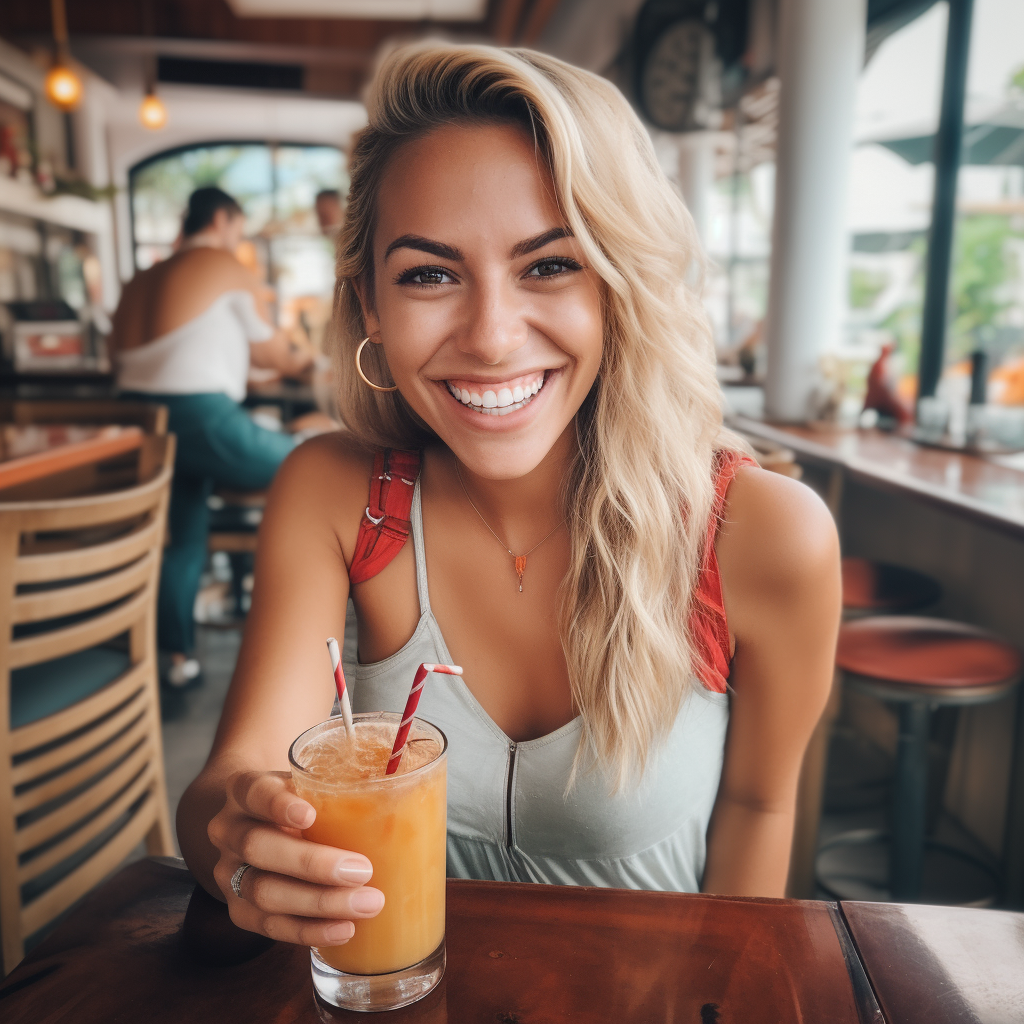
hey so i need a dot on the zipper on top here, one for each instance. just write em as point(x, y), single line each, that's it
point(510, 775)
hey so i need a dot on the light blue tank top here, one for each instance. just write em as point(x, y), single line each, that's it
point(509, 816)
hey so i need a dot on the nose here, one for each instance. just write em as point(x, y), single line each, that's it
point(495, 324)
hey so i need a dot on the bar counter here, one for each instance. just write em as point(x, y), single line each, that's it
point(986, 489)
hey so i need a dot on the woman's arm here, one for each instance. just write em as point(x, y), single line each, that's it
point(288, 352)
point(241, 808)
point(779, 557)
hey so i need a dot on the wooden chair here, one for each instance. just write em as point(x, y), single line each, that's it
point(151, 417)
point(234, 524)
point(81, 771)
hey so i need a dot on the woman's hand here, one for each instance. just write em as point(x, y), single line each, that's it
point(296, 890)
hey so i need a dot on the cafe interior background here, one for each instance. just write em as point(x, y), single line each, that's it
point(858, 183)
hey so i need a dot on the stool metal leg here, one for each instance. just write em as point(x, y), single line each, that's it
point(910, 803)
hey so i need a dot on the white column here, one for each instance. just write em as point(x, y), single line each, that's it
point(820, 55)
point(697, 177)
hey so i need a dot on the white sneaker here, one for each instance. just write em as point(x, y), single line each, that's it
point(183, 674)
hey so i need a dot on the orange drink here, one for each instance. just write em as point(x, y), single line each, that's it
point(399, 823)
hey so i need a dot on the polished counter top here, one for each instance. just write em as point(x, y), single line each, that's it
point(986, 489)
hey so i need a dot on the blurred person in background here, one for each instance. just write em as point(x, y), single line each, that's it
point(330, 211)
point(185, 334)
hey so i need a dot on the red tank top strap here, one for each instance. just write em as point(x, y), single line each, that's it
point(708, 625)
point(385, 525)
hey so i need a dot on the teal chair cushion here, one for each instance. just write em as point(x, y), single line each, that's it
point(51, 686)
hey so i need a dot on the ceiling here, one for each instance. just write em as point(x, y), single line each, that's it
point(439, 10)
point(207, 42)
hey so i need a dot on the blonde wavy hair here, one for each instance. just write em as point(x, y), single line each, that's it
point(640, 489)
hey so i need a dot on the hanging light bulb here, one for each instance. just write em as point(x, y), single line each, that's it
point(62, 86)
point(152, 112)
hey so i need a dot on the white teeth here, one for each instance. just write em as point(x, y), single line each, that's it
point(501, 404)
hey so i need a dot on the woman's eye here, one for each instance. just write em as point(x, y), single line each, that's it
point(553, 268)
point(426, 276)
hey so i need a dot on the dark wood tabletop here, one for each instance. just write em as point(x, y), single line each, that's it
point(942, 964)
point(31, 451)
point(987, 489)
point(517, 954)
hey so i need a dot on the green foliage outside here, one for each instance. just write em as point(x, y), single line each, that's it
point(865, 287)
point(984, 263)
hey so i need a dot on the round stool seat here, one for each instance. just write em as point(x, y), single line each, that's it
point(899, 657)
point(878, 587)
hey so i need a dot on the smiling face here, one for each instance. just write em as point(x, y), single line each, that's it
point(491, 321)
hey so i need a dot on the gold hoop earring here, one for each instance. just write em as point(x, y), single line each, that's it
point(359, 370)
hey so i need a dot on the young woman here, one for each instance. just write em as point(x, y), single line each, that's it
point(586, 541)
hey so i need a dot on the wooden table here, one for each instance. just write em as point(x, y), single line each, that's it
point(293, 397)
point(942, 965)
point(29, 452)
point(988, 490)
point(517, 954)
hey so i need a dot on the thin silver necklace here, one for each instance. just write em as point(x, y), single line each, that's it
point(518, 560)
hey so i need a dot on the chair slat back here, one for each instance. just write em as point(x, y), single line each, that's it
point(74, 564)
point(94, 593)
point(31, 650)
point(78, 577)
point(150, 416)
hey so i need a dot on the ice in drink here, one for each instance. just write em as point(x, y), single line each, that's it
point(397, 821)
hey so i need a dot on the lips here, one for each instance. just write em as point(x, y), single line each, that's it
point(497, 398)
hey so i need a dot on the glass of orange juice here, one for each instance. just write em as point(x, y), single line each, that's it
point(399, 823)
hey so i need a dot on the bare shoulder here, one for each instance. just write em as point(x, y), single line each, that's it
point(212, 269)
point(778, 538)
point(326, 480)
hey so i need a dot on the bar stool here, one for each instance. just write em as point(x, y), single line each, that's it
point(878, 588)
point(919, 664)
point(873, 588)
point(869, 588)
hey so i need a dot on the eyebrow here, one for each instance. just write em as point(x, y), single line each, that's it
point(439, 249)
point(449, 252)
point(538, 242)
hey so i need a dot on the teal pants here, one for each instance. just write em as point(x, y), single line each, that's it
point(218, 446)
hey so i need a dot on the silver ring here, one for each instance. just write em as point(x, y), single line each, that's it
point(236, 879)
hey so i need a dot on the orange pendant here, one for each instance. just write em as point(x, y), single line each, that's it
point(520, 569)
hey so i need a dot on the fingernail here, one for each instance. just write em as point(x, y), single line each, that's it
point(340, 932)
point(298, 815)
point(367, 901)
point(353, 869)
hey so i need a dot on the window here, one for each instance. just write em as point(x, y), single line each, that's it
point(276, 186)
point(891, 199)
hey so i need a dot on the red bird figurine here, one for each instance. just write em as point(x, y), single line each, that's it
point(882, 395)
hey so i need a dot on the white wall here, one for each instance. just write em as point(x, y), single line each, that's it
point(196, 114)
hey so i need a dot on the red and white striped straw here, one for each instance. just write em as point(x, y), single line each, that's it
point(339, 683)
point(410, 710)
